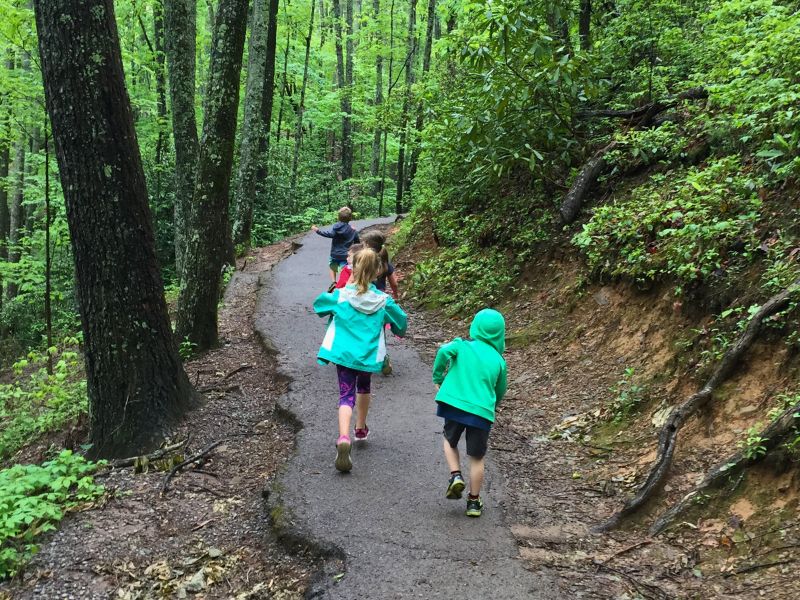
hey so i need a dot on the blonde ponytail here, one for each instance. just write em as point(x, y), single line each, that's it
point(366, 268)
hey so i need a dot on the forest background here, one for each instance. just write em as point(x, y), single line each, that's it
point(657, 140)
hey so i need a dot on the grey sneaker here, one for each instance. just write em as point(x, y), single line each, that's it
point(456, 487)
point(343, 461)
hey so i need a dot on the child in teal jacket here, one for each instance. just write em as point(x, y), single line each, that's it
point(355, 342)
point(475, 381)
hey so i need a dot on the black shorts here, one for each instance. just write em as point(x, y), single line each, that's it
point(477, 439)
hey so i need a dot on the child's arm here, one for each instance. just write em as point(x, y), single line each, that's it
point(344, 277)
point(326, 303)
point(444, 357)
point(501, 385)
point(393, 284)
point(396, 318)
point(322, 232)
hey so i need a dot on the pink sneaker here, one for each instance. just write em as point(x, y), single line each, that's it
point(362, 434)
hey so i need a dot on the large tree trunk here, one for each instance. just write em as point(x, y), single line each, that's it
point(585, 25)
point(209, 244)
point(136, 383)
point(298, 137)
point(426, 65)
point(16, 216)
point(376, 139)
point(409, 66)
point(344, 92)
point(252, 126)
point(180, 24)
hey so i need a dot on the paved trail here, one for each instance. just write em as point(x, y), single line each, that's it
point(401, 536)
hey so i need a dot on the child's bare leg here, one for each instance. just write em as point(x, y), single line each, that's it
point(451, 455)
point(345, 414)
point(475, 475)
point(362, 408)
point(334, 272)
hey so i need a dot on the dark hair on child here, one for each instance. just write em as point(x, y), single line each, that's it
point(345, 214)
point(377, 241)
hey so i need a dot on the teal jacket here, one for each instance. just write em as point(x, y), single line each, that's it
point(355, 337)
point(475, 370)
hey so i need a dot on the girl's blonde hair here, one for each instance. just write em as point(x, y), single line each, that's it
point(366, 268)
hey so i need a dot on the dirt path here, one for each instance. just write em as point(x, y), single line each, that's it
point(208, 536)
point(388, 521)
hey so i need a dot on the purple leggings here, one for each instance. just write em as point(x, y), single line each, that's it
point(351, 382)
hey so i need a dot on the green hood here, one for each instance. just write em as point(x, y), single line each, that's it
point(489, 326)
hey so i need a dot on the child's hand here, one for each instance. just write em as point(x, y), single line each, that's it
point(314, 228)
point(437, 386)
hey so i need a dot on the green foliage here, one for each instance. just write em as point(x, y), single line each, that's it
point(686, 225)
point(753, 444)
point(37, 402)
point(627, 396)
point(34, 498)
point(186, 349)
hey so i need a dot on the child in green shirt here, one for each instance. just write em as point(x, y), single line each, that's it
point(471, 378)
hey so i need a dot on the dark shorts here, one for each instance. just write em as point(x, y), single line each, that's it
point(337, 264)
point(477, 439)
point(352, 382)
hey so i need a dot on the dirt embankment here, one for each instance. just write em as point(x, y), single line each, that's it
point(208, 535)
point(594, 370)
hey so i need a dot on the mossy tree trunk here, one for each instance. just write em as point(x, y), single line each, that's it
point(253, 126)
point(136, 383)
point(209, 245)
point(267, 102)
point(180, 25)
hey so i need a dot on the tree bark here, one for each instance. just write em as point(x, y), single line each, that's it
point(409, 66)
point(585, 24)
point(376, 139)
point(284, 81)
point(16, 216)
point(298, 137)
point(426, 65)
point(323, 18)
point(5, 158)
point(388, 98)
point(209, 243)
point(668, 436)
point(180, 24)
point(585, 179)
point(253, 126)
point(347, 97)
point(136, 383)
point(161, 92)
point(267, 102)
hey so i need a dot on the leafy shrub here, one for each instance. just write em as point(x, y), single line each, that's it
point(34, 498)
point(685, 226)
point(627, 396)
point(39, 402)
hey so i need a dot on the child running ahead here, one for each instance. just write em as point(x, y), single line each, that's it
point(342, 237)
point(355, 342)
point(475, 381)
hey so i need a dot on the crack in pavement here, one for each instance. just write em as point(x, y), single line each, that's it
point(389, 516)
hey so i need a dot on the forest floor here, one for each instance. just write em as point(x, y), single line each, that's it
point(208, 536)
point(568, 466)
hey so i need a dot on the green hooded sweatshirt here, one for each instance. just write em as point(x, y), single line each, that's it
point(476, 370)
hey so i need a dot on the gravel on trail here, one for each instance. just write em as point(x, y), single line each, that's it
point(389, 520)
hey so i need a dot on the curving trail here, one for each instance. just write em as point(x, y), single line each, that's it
point(401, 537)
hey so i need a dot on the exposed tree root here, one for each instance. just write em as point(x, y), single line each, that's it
point(199, 456)
point(573, 201)
point(669, 432)
point(771, 437)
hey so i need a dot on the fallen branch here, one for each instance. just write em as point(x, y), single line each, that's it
point(771, 437)
point(122, 463)
point(750, 568)
point(644, 116)
point(647, 590)
point(236, 370)
point(625, 550)
point(186, 462)
point(586, 178)
point(669, 432)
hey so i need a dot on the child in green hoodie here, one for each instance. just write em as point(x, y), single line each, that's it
point(471, 378)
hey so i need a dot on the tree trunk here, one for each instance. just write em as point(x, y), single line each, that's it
point(347, 97)
point(284, 80)
point(388, 101)
point(323, 17)
point(585, 25)
point(136, 383)
point(161, 93)
point(300, 109)
point(5, 157)
point(584, 181)
point(209, 243)
point(376, 140)
point(426, 65)
point(32, 172)
point(180, 23)
point(409, 66)
point(266, 114)
point(16, 216)
point(252, 126)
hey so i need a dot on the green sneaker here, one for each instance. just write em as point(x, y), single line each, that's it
point(455, 487)
point(474, 507)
